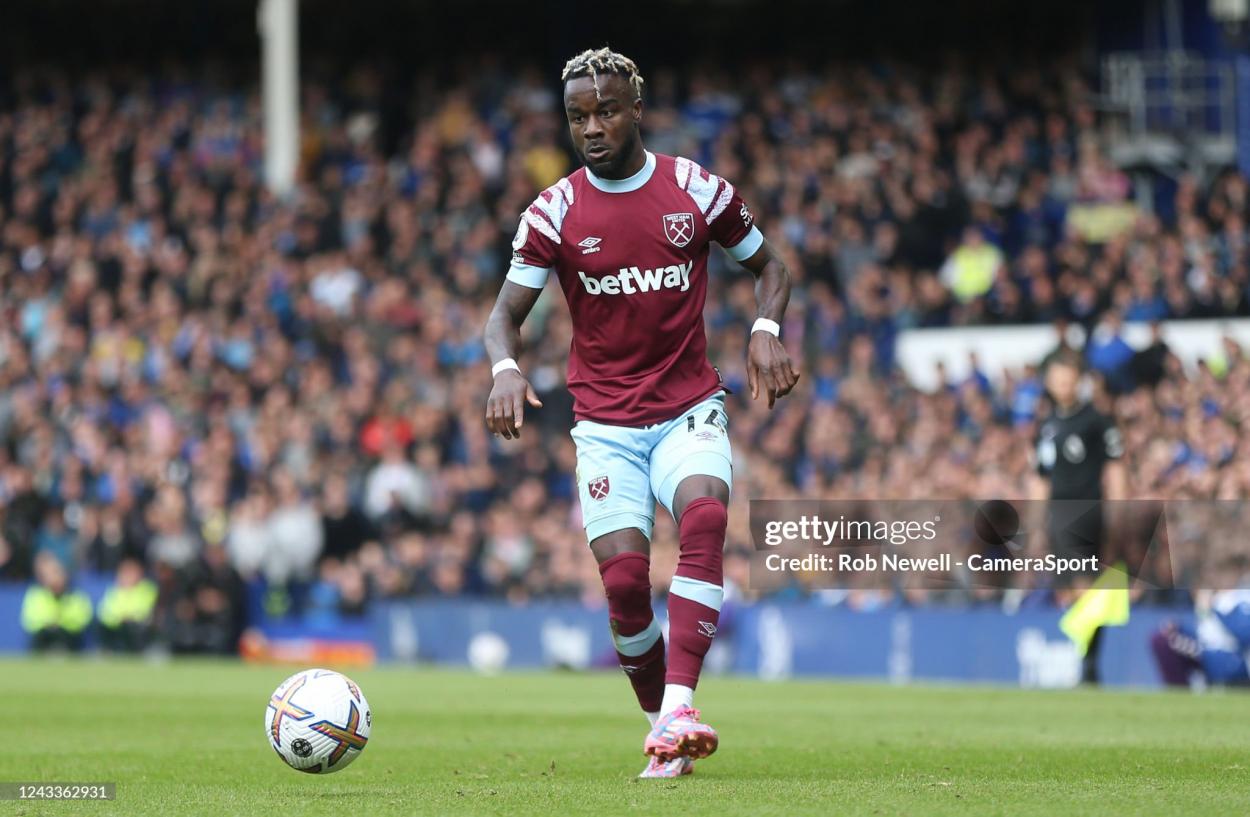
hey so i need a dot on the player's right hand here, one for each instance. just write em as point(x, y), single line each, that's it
point(505, 408)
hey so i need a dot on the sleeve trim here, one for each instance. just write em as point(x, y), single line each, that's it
point(527, 275)
point(748, 246)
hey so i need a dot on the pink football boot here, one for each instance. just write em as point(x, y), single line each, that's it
point(676, 767)
point(679, 734)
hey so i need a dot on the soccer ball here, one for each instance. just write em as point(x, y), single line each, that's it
point(318, 721)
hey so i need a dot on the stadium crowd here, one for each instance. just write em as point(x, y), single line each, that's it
point(218, 387)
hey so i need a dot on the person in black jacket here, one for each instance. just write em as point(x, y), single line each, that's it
point(1148, 365)
point(345, 526)
point(1078, 451)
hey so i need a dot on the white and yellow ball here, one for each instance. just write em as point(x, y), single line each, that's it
point(318, 721)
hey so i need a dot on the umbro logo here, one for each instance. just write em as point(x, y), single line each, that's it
point(590, 245)
point(708, 628)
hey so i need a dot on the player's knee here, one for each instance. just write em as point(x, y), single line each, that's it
point(705, 517)
point(702, 528)
point(627, 581)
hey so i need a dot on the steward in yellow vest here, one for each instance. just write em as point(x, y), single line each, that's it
point(125, 611)
point(54, 615)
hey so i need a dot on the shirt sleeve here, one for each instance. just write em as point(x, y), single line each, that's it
point(729, 220)
point(734, 229)
point(533, 255)
point(536, 243)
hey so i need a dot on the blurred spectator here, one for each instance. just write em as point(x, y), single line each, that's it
point(54, 537)
point(54, 615)
point(1110, 355)
point(972, 268)
point(1148, 365)
point(295, 534)
point(206, 611)
point(21, 510)
point(126, 610)
point(344, 527)
point(109, 542)
point(395, 486)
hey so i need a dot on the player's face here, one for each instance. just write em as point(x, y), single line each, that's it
point(604, 126)
point(1061, 382)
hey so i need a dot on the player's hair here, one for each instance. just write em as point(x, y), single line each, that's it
point(595, 61)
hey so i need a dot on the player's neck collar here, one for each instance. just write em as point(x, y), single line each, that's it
point(625, 185)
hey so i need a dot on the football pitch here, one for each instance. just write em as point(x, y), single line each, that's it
point(187, 738)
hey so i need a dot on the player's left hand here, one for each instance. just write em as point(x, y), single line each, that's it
point(769, 366)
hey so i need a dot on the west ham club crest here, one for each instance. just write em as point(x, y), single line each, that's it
point(679, 228)
point(598, 488)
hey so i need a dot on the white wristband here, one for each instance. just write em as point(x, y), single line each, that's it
point(765, 325)
point(503, 366)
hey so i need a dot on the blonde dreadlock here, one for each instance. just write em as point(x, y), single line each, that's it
point(594, 61)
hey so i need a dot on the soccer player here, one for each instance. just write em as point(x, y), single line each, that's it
point(627, 236)
point(1218, 648)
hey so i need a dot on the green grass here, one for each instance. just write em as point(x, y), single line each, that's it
point(187, 738)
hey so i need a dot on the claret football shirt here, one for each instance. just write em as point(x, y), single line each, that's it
point(631, 257)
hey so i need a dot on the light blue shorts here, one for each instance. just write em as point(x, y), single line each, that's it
point(622, 471)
